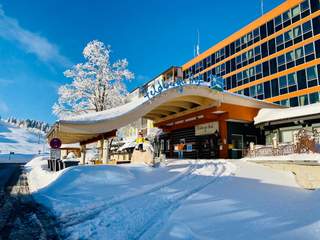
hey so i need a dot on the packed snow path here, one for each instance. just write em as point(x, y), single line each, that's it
point(20, 217)
point(141, 216)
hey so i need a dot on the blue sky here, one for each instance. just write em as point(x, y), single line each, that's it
point(40, 39)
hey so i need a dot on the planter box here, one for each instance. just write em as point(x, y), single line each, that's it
point(70, 163)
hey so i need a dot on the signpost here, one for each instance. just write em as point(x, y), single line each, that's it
point(55, 152)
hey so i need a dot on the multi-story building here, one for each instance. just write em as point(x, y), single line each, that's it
point(275, 58)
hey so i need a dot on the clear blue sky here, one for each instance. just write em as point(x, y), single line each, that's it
point(40, 39)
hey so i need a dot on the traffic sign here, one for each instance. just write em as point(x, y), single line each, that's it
point(55, 143)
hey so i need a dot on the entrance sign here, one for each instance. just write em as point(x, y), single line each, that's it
point(215, 82)
point(55, 143)
point(206, 128)
point(55, 154)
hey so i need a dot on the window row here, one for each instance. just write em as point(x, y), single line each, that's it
point(293, 36)
point(292, 82)
point(300, 100)
point(283, 62)
point(293, 15)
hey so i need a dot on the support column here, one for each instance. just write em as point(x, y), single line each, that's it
point(223, 151)
point(83, 154)
point(105, 152)
point(101, 149)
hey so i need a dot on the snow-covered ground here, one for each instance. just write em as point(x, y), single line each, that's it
point(183, 200)
point(25, 144)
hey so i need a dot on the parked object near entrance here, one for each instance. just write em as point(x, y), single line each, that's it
point(142, 156)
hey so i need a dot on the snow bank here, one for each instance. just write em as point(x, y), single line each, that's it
point(272, 114)
point(38, 174)
point(290, 157)
point(186, 199)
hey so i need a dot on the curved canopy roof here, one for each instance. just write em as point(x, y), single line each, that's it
point(161, 107)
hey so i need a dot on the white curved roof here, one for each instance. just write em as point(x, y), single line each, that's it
point(78, 128)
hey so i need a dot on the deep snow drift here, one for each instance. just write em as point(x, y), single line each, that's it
point(202, 199)
point(24, 143)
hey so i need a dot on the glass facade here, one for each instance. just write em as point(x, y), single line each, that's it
point(275, 61)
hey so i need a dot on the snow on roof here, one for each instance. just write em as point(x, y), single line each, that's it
point(89, 118)
point(269, 115)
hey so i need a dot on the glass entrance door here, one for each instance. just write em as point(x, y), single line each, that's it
point(237, 145)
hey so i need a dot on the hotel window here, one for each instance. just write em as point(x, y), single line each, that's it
point(279, 40)
point(297, 31)
point(256, 34)
point(250, 54)
point(309, 52)
point(314, 97)
point(274, 87)
point(312, 76)
point(289, 57)
point(260, 89)
point(306, 27)
point(278, 21)
point(292, 79)
point(258, 69)
point(257, 50)
point(281, 63)
point(253, 91)
point(303, 100)
point(283, 85)
point(299, 53)
point(286, 18)
point(294, 102)
point(302, 81)
point(285, 102)
point(288, 36)
point(304, 5)
point(295, 11)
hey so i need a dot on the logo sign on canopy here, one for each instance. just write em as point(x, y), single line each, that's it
point(215, 82)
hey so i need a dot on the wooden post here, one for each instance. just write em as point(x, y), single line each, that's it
point(83, 154)
point(106, 151)
point(223, 151)
point(101, 150)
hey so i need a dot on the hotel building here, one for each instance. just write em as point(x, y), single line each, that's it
point(273, 63)
point(275, 58)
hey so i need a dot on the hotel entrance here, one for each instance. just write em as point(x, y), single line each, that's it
point(195, 146)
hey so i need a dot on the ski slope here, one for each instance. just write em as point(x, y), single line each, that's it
point(24, 143)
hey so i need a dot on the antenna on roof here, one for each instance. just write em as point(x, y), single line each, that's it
point(197, 46)
point(261, 5)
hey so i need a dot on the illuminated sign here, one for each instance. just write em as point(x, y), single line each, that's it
point(206, 128)
point(159, 87)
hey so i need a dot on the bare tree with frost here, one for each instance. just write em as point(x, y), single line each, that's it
point(97, 84)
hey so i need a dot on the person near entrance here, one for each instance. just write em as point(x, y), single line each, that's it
point(140, 141)
point(180, 149)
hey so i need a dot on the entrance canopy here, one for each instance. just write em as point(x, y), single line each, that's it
point(171, 104)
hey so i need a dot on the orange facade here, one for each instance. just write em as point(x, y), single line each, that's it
point(288, 6)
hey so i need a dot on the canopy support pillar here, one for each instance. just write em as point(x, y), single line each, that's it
point(105, 151)
point(83, 154)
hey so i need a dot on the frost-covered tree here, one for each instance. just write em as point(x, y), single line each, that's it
point(97, 84)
